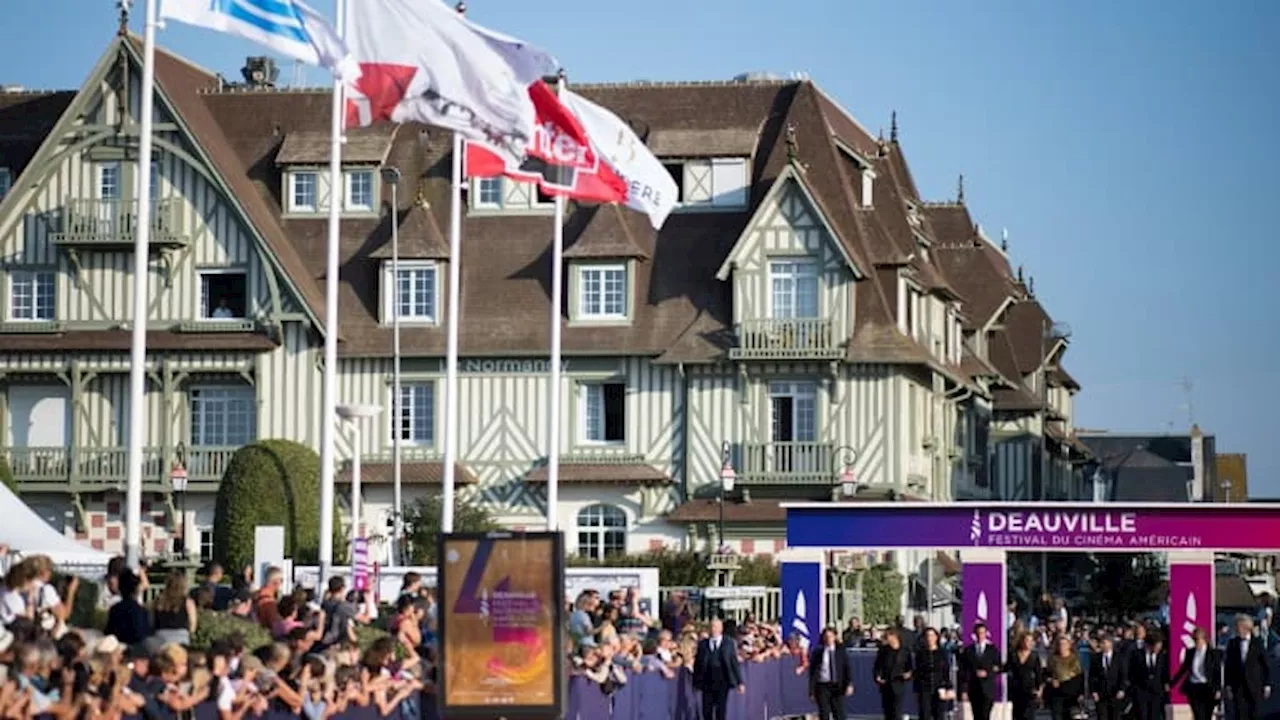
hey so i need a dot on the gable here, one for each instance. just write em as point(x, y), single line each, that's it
point(787, 220)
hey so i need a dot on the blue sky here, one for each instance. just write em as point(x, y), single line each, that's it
point(1130, 147)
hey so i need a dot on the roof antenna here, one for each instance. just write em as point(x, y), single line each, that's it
point(893, 127)
point(1031, 286)
point(1004, 240)
point(1019, 273)
point(124, 7)
point(960, 189)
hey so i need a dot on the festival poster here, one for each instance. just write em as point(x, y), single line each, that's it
point(501, 594)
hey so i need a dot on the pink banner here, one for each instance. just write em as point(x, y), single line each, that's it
point(1191, 606)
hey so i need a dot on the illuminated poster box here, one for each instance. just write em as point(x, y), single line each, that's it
point(501, 608)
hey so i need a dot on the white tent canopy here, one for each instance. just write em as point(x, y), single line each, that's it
point(27, 534)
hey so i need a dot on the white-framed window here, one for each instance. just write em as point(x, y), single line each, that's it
point(710, 182)
point(360, 190)
point(602, 531)
point(304, 191)
point(206, 544)
point(603, 409)
point(794, 289)
point(414, 294)
point(6, 181)
point(223, 293)
point(109, 181)
point(602, 292)
point(489, 192)
point(915, 302)
point(223, 416)
point(417, 424)
point(31, 295)
point(793, 410)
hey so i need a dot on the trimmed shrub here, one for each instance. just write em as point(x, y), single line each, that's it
point(6, 475)
point(271, 482)
point(216, 626)
point(882, 589)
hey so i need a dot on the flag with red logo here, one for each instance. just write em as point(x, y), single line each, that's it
point(420, 61)
point(560, 159)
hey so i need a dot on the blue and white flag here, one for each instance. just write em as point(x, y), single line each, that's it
point(288, 27)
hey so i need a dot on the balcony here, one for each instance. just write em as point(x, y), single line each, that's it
point(95, 469)
point(788, 463)
point(789, 339)
point(113, 224)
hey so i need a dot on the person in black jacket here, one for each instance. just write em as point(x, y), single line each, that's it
point(1149, 679)
point(1248, 679)
point(1201, 676)
point(932, 677)
point(830, 679)
point(979, 664)
point(1108, 679)
point(128, 620)
point(891, 671)
point(1026, 677)
point(716, 671)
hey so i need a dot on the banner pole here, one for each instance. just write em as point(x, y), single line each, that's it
point(553, 424)
point(451, 344)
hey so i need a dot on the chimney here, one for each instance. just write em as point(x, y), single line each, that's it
point(1198, 470)
point(260, 72)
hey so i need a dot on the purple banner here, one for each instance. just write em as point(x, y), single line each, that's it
point(983, 585)
point(360, 564)
point(1064, 527)
point(1191, 606)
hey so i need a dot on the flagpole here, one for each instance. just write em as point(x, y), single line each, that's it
point(329, 402)
point(451, 343)
point(553, 425)
point(141, 258)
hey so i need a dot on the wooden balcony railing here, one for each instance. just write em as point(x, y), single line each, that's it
point(95, 469)
point(114, 223)
point(790, 339)
point(788, 463)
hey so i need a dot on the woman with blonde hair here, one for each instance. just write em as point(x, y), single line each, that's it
point(174, 612)
point(1066, 681)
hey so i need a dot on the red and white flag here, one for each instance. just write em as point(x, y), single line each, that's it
point(420, 61)
point(561, 159)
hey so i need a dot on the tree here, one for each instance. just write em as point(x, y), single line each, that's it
point(882, 588)
point(1124, 585)
point(422, 525)
point(6, 475)
point(271, 482)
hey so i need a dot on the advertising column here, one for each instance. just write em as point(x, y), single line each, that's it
point(1191, 608)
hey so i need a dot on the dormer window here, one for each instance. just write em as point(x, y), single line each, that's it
point(6, 181)
point(713, 183)
point(601, 292)
point(414, 296)
point(359, 190)
point(506, 195)
point(304, 191)
point(868, 187)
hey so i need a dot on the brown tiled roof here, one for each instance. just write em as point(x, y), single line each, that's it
point(1000, 353)
point(608, 232)
point(1060, 376)
point(973, 366)
point(420, 236)
point(413, 473)
point(969, 263)
point(602, 473)
point(120, 340)
point(363, 145)
point(678, 143)
point(1027, 323)
point(25, 119)
point(768, 511)
point(182, 83)
point(1015, 400)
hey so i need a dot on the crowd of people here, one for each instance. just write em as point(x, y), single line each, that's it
point(144, 662)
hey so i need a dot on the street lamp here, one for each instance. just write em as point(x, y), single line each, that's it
point(844, 457)
point(353, 414)
point(391, 176)
point(727, 479)
point(178, 481)
point(1226, 490)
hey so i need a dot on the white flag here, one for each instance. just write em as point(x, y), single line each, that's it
point(420, 61)
point(650, 188)
point(529, 63)
point(288, 27)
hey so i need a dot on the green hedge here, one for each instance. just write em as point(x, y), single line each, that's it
point(271, 482)
point(6, 475)
point(684, 568)
point(882, 589)
point(219, 626)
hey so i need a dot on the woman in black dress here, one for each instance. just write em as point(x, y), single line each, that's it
point(932, 678)
point(1065, 680)
point(1026, 677)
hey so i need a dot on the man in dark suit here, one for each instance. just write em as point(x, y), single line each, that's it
point(830, 679)
point(1201, 676)
point(979, 665)
point(1108, 678)
point(892, 670)
point(1149, 679)
point(1248, 679)
point(716, 672)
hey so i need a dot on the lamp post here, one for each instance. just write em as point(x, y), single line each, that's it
point(1226, 491)
point(391, 176)
point(178, 481)
point(352, 415)
point(727, 479)
point(844, 458)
